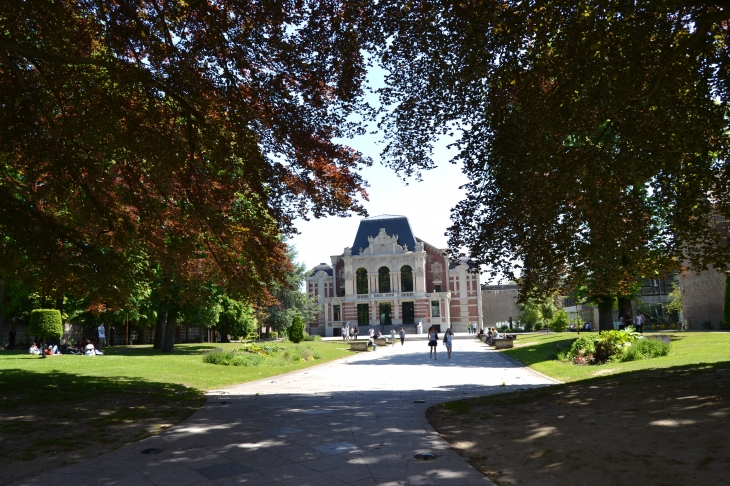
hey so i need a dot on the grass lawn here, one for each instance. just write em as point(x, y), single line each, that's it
point(688, 348)
point(66, 408)
point(655, 421)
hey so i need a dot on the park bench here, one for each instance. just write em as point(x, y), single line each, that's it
point(358, 345)
point(503, 343)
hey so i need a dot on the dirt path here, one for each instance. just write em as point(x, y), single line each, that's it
point(659, 427)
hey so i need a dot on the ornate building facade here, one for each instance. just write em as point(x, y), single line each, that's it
point(388, 277)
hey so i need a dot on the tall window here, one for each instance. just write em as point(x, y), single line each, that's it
point(385, 317)
point(336, 313)
point(363, 314)
point(435, 311)
point(383, 279)
point(361, 281)
point(409, 315)
point(406, 278)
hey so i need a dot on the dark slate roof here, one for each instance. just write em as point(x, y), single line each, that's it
point(324, 267)
point(394, 225)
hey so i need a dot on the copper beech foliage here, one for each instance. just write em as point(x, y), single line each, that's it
point(593, 133)
point(184, 135)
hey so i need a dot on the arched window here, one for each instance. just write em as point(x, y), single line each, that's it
point(383, 279)
point(406, 278)
point(361, 281)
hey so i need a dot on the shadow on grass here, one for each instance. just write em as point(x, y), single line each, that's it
point(637, 420)
point(54, 418)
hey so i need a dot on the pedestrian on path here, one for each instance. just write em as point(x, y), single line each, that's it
point(402, 334)
point(448, 340)
point(433, 341)
point(102, 335)
point(357, 331)
point(392, 336)
point(347, 331)
point(343, 331)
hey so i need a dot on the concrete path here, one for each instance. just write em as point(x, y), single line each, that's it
point(357, 421)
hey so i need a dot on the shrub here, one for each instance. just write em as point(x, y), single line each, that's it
point(247, 360)
point(273, 335)
point(218, 357)
point(645, 348)
point(559, 322)
point(504, 328)
point(45, 323)
point(317, 337)
point(296, 331)
point(307, 337)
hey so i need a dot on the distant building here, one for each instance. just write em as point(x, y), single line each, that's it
point(389, 277)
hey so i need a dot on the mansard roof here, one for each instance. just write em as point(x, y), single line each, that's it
point(393, 224)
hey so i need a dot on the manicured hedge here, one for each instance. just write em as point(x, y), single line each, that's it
point(296, 331)
point(46, 323)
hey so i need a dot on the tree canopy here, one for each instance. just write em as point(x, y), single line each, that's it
point(186, 135)
point(594, 133)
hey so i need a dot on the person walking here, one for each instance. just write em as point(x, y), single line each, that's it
point(392, 336)
point(102, 336)
point(357, 331)
point(347, 331)
point(639, 322)
point(402, 334)
point(343, 331)
point(448, 341)
point(433, 341)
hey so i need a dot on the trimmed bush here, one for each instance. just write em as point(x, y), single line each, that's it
point(45, 323)
point(296, 331)
point(273, 335)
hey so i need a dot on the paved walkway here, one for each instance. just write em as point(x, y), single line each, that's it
point(357, 421)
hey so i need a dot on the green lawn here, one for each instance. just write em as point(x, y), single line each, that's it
point(688, 348)
point(63, 409)
point(184, 367)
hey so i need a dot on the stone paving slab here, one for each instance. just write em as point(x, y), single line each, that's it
point(357, 421)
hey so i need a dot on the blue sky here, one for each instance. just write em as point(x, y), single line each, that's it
point(427, 204)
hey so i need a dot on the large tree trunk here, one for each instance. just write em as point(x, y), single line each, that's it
point(2, 316)
point(168, 344)
point(159, 329)
point(624, 308)
point(605, 313)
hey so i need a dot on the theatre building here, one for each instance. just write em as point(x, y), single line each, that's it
point(390, 278)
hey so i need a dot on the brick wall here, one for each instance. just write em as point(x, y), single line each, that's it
point(702, 298)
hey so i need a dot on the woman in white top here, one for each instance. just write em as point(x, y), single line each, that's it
point(448, 339)
point(34, 349)
point(433, 340)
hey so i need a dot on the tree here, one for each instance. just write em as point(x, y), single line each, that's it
point(290, 300)
point(236, 320)
point(726, 307)
point(675, 299)
point(594, 134)
point(296, 331)
point(45, 323)
point(186, 135)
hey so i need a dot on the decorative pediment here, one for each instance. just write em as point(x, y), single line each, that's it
point(383, 244)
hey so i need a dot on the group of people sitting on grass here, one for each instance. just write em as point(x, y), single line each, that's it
point(84, 347)
point(49, 350)
point(585, 327)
